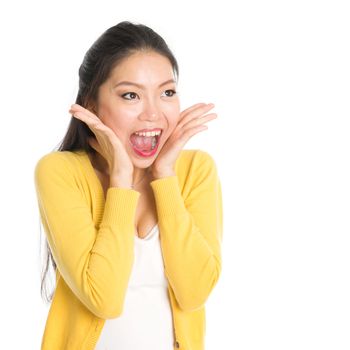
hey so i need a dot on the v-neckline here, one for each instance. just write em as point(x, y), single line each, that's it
point(149, 235)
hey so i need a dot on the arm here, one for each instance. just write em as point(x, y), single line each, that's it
point(95, 264)
point(191, 231)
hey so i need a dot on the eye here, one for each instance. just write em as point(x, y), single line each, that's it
point(172, 93)
point(132, 95)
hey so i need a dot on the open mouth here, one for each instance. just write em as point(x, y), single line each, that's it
point(145, 141)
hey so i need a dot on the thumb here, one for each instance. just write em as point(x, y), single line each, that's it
point(93, 142)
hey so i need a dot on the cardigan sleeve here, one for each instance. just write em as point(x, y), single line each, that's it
point(191, 231)
point(95, 264)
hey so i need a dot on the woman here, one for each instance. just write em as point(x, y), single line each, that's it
point(133, 221)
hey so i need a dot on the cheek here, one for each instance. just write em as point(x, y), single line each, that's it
point(173, 122)
point(173, 115)
point(118, 121)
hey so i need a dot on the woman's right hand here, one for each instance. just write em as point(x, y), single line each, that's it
point(106, 143)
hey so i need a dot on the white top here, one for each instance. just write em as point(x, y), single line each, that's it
point(146, 322)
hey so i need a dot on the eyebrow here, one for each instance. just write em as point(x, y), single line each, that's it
point(142, 86)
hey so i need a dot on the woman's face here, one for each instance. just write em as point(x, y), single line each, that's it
point(140, 94)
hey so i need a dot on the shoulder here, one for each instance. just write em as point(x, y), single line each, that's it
point(56, 162)
point(194, 165)
point(194, 158)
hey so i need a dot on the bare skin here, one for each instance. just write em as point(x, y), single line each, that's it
point(146, 213)
point(136, 96)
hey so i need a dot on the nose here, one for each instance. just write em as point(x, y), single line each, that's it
point(150, 112)
point(149, 115)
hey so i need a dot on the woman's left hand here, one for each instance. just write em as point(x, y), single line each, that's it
point(190, 123)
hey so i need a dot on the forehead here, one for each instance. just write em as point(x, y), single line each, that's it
point(143, 67)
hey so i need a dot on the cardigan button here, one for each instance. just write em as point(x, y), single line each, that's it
point(177, 345)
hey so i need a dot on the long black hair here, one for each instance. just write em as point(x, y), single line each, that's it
point(115, 44)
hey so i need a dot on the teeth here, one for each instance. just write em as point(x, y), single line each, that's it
point(154, 142)
point(148, 133)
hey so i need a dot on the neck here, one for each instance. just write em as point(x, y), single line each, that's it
point(140, 176)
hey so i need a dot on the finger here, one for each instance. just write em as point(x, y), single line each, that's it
point(205, 118)
point(77, 108)
point(91, 117)
point(200, 120)
point(93, 122)
point(201, 110)
point(92, 142)
point(191, 132)
point(187, 110)
point(198, 108)
point(196, 113)
point(97, 127)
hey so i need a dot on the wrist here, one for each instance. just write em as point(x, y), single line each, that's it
point(120, 182)
point(159, 174)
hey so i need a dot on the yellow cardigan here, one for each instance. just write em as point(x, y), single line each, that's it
point(92, 238)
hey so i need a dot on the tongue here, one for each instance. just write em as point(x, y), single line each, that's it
point(142, 143)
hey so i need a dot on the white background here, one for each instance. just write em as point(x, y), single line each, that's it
point(279, 74)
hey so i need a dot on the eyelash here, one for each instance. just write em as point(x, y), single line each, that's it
point(130, 99)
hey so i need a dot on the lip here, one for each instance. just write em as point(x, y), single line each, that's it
point(146, 154)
